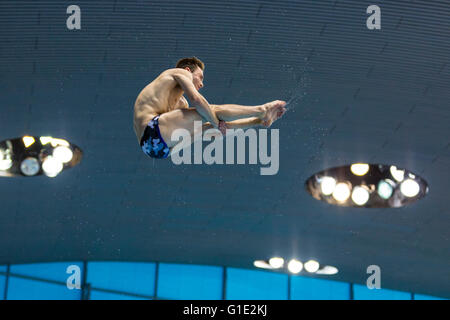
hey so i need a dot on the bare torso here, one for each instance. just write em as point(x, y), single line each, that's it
point(162, 95)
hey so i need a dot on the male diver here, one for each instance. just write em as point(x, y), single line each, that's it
point(161, 108)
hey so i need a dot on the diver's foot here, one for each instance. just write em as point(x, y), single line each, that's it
point(274, 110)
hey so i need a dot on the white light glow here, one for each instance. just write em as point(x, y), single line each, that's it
point(63, 154)
point(398, 175)
point(311, 266)
point(327, 185)
point(276, 262)
point(262, 264)
point(55, 142)
point(410, 188)
point(52, 167)
point(359, 169)
point(5, 160)
point(28, 141)
point(360, 195)
point(5, 164)
point(385, 189)
point(328, 270)
point(30, 166)
point(295, 266)
point(45, 140)
point(59, 142)
point(341, 192)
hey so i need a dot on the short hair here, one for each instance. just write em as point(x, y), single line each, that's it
point(193, 63)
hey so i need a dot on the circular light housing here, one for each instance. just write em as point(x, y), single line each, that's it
point(312, 266)
point(30, 166)
point(360, 195)
point(5, 164)
point(295, 266)
point(59, 142)
point(379, 187)
point(5, 161)
point(410, 188)
point(276, 262)
point(261, 264)
point(398, 175)
point(45, 140)
point(341, 192)
point(28, 141)
point(52, 167)
point(327, 185)
point(359, 169)
point(328, 270)
point(385, 189)
point(63, 154)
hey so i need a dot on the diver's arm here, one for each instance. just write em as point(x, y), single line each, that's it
point(184, 79)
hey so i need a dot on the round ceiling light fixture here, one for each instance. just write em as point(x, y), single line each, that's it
point(328, 270)
point(397, 174)
point(30, 166)
point(52, 166)
point(276, 262)
point(295, 266)
point(327, 185)
point(341, 192)
point(63, 154)
point(359, 169)
point(312, 266)
point(410, 188)
point(360, 195)
point(5, 159)
point(30, 156)
point(385, 188)
point(367, 185)
point(262, 264)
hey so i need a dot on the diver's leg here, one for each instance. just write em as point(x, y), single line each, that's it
point(178, 119)
point(237, 124)
point(268, 112)
point(230, 112)
point(185, 118)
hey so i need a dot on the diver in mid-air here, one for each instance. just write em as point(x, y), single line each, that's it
point(161, 108)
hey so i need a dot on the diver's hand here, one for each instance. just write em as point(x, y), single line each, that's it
point(222, 127)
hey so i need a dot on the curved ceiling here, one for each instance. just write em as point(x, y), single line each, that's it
point(378, 96)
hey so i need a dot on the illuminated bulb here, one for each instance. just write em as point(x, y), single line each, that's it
point(59, 142)
point(52, 167)
point(341, 192)
point(5, 161)
point(328, 270)
point(276, 262)
point(384, 189)
point(28, 141)
point(63, 154)
point(327, 185)
point(30, 166)
point(45, 140)
point(359, 169)
point(311, 266)
point(295, 266)
point(261, 264)
point(360, 195)
point(398, 175)
point(410, 188)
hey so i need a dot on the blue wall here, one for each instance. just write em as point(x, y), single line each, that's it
point(139, 280)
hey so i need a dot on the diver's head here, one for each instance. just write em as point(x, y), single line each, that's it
point(196, 67)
